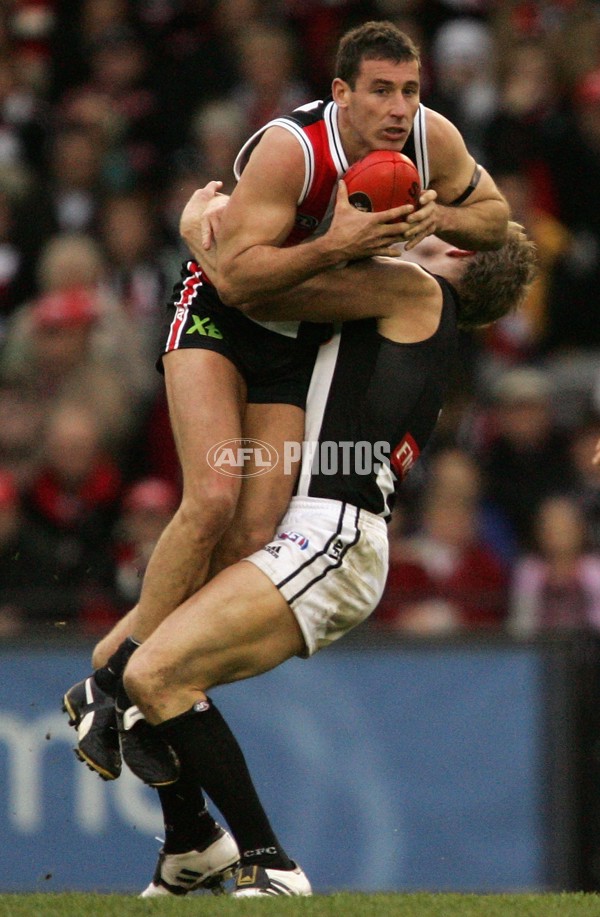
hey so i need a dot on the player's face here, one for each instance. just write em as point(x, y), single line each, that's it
point(439, 257)
point(378, 113)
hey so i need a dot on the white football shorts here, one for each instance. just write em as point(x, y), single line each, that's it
point(329, 560)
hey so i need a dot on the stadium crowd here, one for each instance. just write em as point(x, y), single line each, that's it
point(111, 113)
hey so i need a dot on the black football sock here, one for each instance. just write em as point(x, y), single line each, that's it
point(209, 752)
point(108, 677)
point(122, 699)
point(188, 823)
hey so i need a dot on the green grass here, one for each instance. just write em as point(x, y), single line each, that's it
point(338, 905)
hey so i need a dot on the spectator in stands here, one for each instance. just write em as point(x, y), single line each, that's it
point(22, 416)
point(556, 586)
point(120, 73)
point(572, 150)
point(16, 275)
point(463, 55)
point(526, 457)
point(76, 26)
point(196, 57)
point(529, 93)
point(453, 471)
point(67, 194)
point(517, 338)
point(318, 25)
point(264, 92)
point(22, 114)
point(28, 588)
point(75, 180)
point(76, 261)
point(587, 483)
point(74, 501)
point(52, 349)
point(136, 272)
point(218, 132)
point(147, 507)
point(444, 578)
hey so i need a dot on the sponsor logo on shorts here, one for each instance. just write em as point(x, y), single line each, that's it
point(201, 706)
point(296, 538)
point(242, 458)
point(204, 326)
point(273, 549)
point(336, 549)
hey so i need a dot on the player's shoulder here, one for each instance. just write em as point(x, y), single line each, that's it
point(286, 133)
point(448, 156)
point(439, 128)
point(310, 112)
point(416, 280)
point(276, 146)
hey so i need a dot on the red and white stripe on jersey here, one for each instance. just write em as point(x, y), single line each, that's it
point(316, 128)
point(188, 292)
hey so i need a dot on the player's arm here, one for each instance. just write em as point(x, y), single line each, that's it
point(370, 287)
point(261, 213)
point(468, 210)
point(405, 298)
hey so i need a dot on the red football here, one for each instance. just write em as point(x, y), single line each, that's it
point(382, 180)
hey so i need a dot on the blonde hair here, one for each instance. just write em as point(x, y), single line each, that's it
point(496, 282)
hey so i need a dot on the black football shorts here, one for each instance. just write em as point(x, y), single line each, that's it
point(276, 367)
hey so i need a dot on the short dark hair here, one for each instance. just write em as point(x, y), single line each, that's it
point(496, 282)
point(372, 41)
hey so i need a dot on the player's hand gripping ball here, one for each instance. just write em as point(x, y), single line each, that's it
point(382, 180)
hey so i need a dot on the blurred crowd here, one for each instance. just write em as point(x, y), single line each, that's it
point(111, 113)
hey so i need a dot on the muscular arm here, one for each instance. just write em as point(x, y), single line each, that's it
point(251, 262)
point(481, 221)
point(405, 298)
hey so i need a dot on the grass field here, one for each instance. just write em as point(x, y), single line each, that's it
point(338, 905)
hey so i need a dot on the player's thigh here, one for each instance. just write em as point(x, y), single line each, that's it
point(236, 627)
point(281, 426)
point(206, 396)
point(277, 431)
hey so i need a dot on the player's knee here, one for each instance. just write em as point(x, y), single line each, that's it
point(208, 512)
point(141, 680)
point(246, 539)
point(259, 533)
